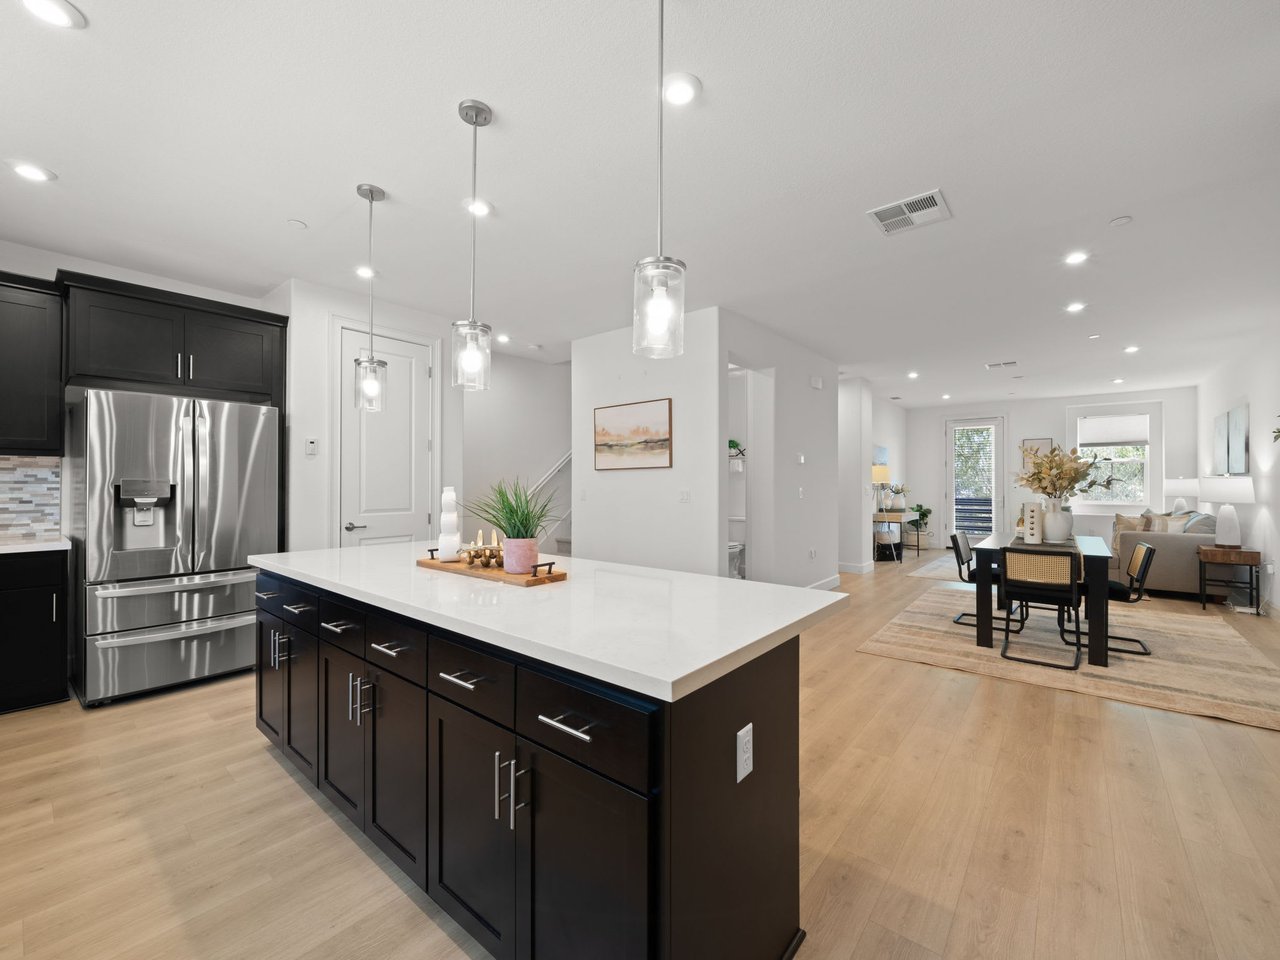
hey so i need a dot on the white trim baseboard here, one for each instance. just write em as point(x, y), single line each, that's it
point(865, 567)
point(830, 583)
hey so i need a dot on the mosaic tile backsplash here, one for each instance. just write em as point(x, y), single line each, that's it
point(30, 497)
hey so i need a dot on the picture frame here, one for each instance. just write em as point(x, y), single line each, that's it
point(1040, 444)
point(633, 436)
point(1221, 435)
point(1238, 441)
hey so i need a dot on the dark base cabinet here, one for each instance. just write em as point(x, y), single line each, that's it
point(554, 817)
point(33, 632)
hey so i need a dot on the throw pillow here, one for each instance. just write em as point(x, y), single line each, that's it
point(1123, 523)
point(1161, 523)
point(1201, 523)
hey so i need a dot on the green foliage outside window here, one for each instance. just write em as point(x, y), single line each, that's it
point(1127, 468)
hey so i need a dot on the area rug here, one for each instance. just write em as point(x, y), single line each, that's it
point(1199, 664)
point(944, 568)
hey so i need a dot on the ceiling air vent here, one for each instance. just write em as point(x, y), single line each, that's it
point(914, 212)
point(1002, 364)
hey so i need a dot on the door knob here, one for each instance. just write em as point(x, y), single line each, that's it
point(354, 526)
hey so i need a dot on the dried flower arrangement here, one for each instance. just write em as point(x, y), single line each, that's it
point(1059, 474)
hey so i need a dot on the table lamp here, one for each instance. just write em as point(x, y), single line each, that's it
point(880, 477)
point(1226, 492)
point(1182, 487)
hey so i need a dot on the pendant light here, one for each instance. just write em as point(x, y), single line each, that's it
point(657, 321)
point(371, 373)
point(471, 340)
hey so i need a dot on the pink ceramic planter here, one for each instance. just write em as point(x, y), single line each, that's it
point(519, 556)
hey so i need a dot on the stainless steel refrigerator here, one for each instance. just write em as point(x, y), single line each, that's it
point(164, 498)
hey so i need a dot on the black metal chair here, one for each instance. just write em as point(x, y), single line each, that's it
point(963, 551)
point(1134, 591)
point(1048, 578)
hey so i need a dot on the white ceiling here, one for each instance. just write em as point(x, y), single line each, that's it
point(185, 134)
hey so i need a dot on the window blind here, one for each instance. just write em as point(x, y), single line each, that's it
point(1127, 430)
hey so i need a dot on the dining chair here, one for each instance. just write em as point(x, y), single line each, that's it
point(1132, 592)
point(1049, 578)
point(963, 550)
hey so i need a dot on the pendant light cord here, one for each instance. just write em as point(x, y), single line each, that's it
point(474, 218)
point(661, 111)
point(372, 274)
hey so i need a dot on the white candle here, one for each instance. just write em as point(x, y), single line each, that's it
point(494, 541)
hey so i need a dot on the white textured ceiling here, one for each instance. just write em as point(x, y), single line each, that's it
point(186, 133)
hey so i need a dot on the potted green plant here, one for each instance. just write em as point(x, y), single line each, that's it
point(521, 515)
point(920, 526)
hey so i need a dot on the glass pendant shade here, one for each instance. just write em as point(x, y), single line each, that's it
point(371, 384)
point(657, 327)
point(471, 354)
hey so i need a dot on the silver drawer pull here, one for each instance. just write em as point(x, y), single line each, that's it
point(339, 626)
point(457, 678)
point(556, 724)
point(267, 595)
point(389, 651)
point(297, 607)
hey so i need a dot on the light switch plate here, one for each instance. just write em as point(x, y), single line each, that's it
point(746, 751)
point(309, 447)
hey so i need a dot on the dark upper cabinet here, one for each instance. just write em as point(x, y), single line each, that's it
point(226, 353)
point(582, 871)
point(471, 840)
point(30, 371)
point(33, 633)
point(125, 338)
point(342, 705)
point(396, 771)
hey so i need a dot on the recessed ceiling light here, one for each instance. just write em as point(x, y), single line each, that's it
point(895, 398)
point(912, 375)
point(1118, 380)
point(1121, 221)
point(1076, 257)
point(57, 13)
point(1094, 336)
point(32, 171)
point(1130, 349)
point(297, 224)
point(1075, 307)
point(479, 207)
point(503, 338)
point(365, 272)
point(681, 88)
point(946, 396)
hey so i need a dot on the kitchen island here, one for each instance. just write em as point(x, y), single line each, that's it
point(604, 767)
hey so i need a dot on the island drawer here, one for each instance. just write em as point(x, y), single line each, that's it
point(472, 679)
point(341, 625)
point(397, 648)
point(287, 601)
point(606, 734)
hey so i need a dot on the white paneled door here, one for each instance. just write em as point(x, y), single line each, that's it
point(975, 476)
point(386, 457)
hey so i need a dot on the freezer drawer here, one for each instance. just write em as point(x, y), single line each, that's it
point(118, 664)
point(112, 607)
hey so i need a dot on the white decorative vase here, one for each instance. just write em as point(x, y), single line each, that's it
point(899, 501)
point(1033, 524)
point(450, 540)
point(1057, 522)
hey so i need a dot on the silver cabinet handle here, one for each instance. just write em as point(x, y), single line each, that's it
point(557, 725)
point(267, 595)
point(338, 626)
point(349, 695)
point(355, 526)
point(497, 776)
point(362, 707)
point(382, 648)
point(55, 608)
point(281, 654)
point(179, 366)
point(191, 365)
point(511, 793)
point(457, 678)
point(297, 607)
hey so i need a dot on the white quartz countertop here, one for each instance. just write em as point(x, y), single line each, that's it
point(32, 544)
point(657, 632)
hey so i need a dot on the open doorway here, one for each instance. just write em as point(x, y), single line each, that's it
point(975, 476)
point(736, 460)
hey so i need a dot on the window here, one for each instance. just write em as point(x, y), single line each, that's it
point(1122, 445)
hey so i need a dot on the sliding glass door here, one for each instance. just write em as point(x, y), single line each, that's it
point(975, 476)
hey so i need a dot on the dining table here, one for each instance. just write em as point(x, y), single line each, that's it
point(1095, 555)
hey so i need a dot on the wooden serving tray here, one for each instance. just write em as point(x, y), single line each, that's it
point(495, 574)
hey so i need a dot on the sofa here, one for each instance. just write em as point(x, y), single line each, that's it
point(1176, 568)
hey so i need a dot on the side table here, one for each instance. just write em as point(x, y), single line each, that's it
point(1232, 557)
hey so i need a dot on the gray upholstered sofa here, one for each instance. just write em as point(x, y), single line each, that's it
point(1176, 568)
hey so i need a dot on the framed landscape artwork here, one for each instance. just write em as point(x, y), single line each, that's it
point(1238, 441)
point(633, 436)
point(1221, 428)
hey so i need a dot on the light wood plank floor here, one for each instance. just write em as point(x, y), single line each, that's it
point(943, 815)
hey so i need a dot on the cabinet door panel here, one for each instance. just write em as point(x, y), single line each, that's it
point(226, 353)
point(270, 680)
point(583, 871)
point(341, 773)
point(472, 851)
point(30, 371)
point(302, 719)
point(396, 771)
point(33, 648)
point(124, 338)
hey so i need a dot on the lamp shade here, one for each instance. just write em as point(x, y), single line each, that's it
point(880, 473)
point(1182, 487)
point(1227, 489)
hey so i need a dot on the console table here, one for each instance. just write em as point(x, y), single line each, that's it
point(899, 517)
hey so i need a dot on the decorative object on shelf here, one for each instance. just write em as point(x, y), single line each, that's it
point(736, 449)
point(880, 480)
point(920, 526)
point(1033, 523)
point(521, 515)
point(371, 373)
point(633, 436)
point(495, 573)
point(657, 323)
point(1227, 492)
point(1036, 445)
point(1057, 476)
point(450, 540)
point(486, 555)
point(899, 492)
point(1180, 488)
point(1238, 441)
point(472, 339)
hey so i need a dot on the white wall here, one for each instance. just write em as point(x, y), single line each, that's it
point(855, 500)
point(1173, 453)
point(518, 428)
point(1250, 379)
point(889, 430)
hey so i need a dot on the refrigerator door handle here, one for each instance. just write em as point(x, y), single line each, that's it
point(193, 628)
point(186, 494)
point(111, 591)
point(201, 552)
